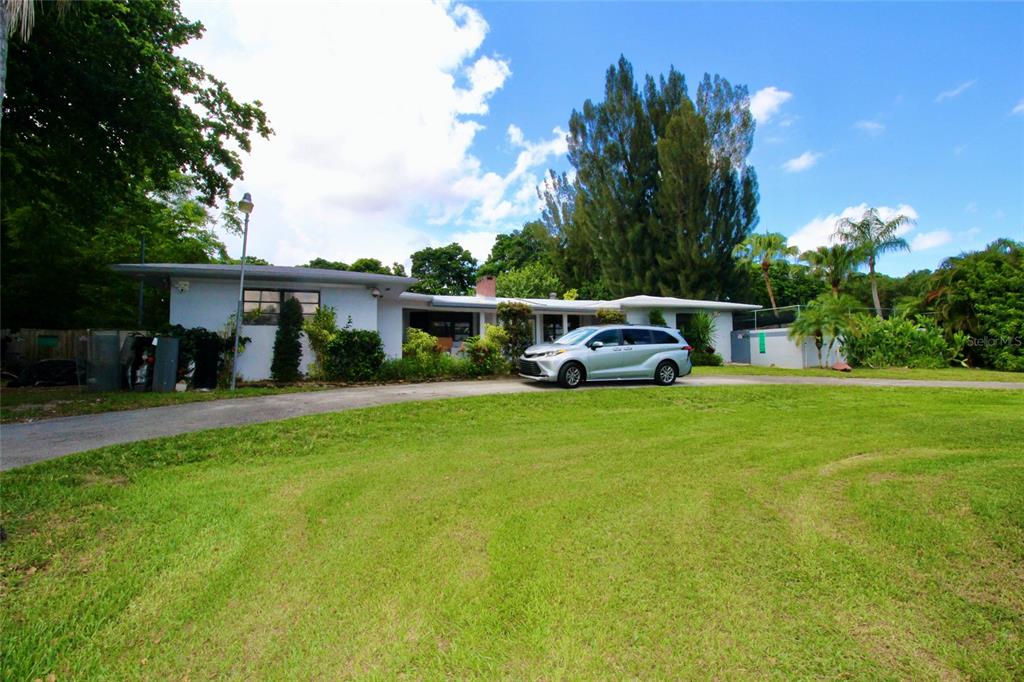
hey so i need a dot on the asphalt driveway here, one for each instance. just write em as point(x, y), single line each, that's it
point(23, 444)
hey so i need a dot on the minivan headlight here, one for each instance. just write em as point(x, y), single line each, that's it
point(552, 353)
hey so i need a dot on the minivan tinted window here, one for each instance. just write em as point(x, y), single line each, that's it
point(663, 337)
point(609, 337)
point(636, 337)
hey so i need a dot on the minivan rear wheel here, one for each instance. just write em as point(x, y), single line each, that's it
point(665, 374)
point(571, 375)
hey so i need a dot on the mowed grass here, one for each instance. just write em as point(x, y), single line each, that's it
point(943, 374)
point(729, 532)
point(32, 403)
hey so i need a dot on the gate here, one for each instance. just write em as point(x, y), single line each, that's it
point(740, 346)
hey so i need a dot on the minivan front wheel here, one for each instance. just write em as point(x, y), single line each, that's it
point(571, 375)
point(665, 374)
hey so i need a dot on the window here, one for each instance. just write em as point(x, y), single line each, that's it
point(609, 337)
point(552, 327)
point(443, 325)
point(575, 322)
point(263, 306)
point(661, 337)
point(636, 337)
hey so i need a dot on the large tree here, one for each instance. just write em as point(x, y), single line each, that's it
point(517, 249)
point(833, 264)
point(102, 121)
point(663, 190)
point(573, 255)
point(872, 236)
point(442, 270)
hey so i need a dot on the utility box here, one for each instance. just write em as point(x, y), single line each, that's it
point(165, 369)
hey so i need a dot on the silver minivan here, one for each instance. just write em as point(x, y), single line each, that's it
point(609, 353)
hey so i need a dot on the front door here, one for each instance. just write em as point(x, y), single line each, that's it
point(740, 346)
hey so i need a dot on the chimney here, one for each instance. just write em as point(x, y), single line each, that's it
point(553, 296)
point(487, 286)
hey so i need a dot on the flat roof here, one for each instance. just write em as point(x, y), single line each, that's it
point(577, 306)
point(270, 273)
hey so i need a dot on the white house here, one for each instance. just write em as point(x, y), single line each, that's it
point(205, 295)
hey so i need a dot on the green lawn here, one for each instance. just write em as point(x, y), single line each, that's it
point(945, 374)
point(727, 532)
point(29, 404)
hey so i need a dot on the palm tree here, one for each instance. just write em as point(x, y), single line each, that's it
point(826, 317)
point(872, 236)
point(763, 250)
point(17, 16)
point(834, 264)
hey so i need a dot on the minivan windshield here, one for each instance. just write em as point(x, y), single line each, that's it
point(575, 336)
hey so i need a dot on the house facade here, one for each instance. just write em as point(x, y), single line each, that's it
point(206, 295)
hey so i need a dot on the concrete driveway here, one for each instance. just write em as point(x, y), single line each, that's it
point(22, 444)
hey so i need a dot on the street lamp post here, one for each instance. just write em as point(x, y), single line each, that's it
point(245, 206)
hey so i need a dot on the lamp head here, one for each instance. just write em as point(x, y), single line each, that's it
point(245, 205)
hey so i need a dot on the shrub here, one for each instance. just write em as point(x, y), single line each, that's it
point(705, 359)
point(898, 342)
point(320, 329)
point(701, 332)
point(420, 368)
point(486, 354)
point(515, 318)
point(287, 346)
point(353, 355)
point(420, 345)
point(656, 318)
point(609, 316)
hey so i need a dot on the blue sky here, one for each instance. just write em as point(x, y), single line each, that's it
point(905, 106)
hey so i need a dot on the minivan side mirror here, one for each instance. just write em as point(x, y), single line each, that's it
point(596, 344)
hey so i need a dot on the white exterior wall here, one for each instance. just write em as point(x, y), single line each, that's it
point(638, 316)
point(723, 332)
point(391, 327)
point(209, 304)
point(781, 351)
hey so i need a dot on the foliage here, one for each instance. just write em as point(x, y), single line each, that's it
point(443, 270)
point(571, 295)
point(320, 329)
point(663, 192)
point(515, 318)
point(249, 260)
point(227, 332)
point(353, 355)
point(371, 265)
point(825, 318)
point(192, 340)
point(420, 345)
point(899, 342)
point(981, 294)
point(533, 280)
point(833, 264)
point(699, 358)
point(657, 318)
point(572, 256)
point(486, 352)
point(792, 284)
point(440, 366)
point(762, 250)
point(870, 237)
point(610, 316)
point(519, 249)
point(110, 134)
point(284, 366)
point(700, 332)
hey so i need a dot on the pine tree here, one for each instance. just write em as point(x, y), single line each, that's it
point(287, 347)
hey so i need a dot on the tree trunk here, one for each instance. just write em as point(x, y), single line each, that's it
point(874, 286)
point(835, 291)
point(768, 285)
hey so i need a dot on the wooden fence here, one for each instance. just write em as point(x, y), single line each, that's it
point(28, 345)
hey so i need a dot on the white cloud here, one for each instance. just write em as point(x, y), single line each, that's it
point(375, 107)
point(1019, 109)
point(802, 162)
point(766, 102)
point(477, 243)
point(870, 127)
point(955, 92)
point(930, 240)
point(821, 230)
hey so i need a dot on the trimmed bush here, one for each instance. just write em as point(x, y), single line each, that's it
point(656, 318)
point(485, 353)
point(420, 345)
point(353, 355)
point(441, 366)
point(320, 329)
point(609, 316)
point(287, 347)
point(703, 359)
point(515, 318)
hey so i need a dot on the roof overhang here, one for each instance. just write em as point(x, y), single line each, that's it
point(159, 272)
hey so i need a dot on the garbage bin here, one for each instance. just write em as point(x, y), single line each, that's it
point(103, 366)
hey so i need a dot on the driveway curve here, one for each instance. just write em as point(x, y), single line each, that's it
point(23, 444)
